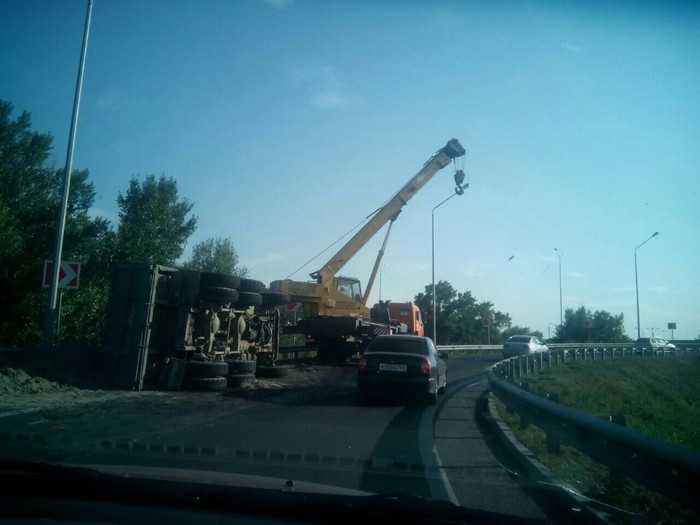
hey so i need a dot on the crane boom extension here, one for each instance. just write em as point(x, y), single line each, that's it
point(389, 211)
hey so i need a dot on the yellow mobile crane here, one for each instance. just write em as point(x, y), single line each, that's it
point(335, 311)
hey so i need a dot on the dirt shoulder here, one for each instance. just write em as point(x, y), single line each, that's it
point(32, 380)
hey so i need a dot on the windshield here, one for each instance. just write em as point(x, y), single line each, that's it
point(520, 339)
point(184, 184)
point(399, 346)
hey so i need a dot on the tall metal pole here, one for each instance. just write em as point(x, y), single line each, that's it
point(636, 280)
point(433, 265)
point(58, 251)
point(561, 309)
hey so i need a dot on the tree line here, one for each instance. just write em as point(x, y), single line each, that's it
point(154, 225)
point(460, 320)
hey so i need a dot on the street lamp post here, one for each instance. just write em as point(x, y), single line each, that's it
point(460, 186)
point(561, 311)
point(433, 264)
point(636, 280)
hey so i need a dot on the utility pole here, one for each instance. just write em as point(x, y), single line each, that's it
point(58, 250)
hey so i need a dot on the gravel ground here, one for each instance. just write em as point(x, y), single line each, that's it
point(32, 382)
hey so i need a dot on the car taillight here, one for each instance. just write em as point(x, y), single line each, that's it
point(362, 363)
point(425, 367)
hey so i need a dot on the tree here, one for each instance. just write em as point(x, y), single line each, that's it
point(216, 255)
point(30, 199)
point(154, 224)
point(459, 316)
point(519, 330)
point(583, 326)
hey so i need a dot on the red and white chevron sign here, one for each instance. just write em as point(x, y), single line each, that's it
point(68, 274)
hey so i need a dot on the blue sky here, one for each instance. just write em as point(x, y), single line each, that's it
point(288, 122)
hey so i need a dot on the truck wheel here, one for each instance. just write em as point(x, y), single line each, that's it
point(274, 299)
point(224, 280)
point(242, 366)
point(246, 299)
point(240, 380)
point(251, 285)
point(206, 369)
point(272, 371)
point(218, 294)
point(204, 384)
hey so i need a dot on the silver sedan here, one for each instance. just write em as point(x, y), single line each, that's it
point(523, 345)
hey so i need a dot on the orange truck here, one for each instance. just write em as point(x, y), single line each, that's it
point(408, 314)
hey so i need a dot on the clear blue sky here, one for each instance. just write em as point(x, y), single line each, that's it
point(288, 122)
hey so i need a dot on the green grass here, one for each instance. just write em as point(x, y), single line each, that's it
point(657, 396)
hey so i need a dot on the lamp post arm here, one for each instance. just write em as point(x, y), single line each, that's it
point(636, 280)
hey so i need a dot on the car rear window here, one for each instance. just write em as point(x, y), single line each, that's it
point(519, 339)
point(398, 346)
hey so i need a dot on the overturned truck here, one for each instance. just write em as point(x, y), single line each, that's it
point(175, 328)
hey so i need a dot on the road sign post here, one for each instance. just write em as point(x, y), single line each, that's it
point(68, 277)
point(486, 323)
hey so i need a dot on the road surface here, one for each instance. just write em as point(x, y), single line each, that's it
point(307, 427)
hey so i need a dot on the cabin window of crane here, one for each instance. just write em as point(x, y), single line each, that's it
point(350, 287)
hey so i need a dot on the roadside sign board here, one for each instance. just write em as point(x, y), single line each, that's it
point(485, 322)
point(68, 274)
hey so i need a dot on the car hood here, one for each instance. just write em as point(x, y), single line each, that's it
point(29, 485)
point(220, 479)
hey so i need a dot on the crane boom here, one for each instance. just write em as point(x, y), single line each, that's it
point(389, 211)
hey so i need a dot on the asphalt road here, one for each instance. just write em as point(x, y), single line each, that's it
point(315, 432)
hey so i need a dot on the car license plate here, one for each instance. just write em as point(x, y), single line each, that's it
point(391, 367)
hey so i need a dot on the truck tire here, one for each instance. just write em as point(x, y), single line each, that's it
point(275, 299)
point(204, 384)
point(272, 371)
point(251, 285)
point(224, 280)
point(206, 369)
point(218, 294)
point(246, 299)
point(240, 380)
point(242, 366)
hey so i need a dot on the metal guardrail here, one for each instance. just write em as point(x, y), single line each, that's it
point(667, 468)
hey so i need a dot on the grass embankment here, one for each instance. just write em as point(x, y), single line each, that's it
point(658, 396)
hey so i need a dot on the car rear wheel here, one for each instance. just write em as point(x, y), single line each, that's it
point(441, 390)
point(432, 398)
